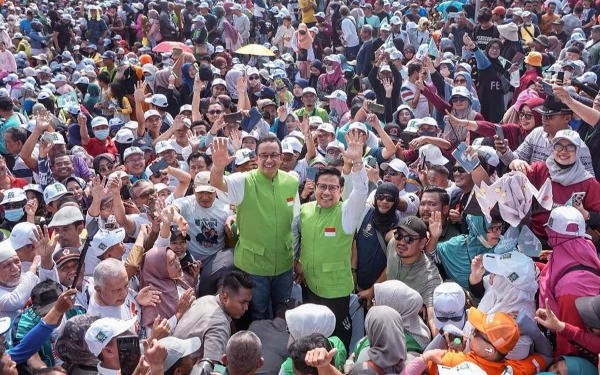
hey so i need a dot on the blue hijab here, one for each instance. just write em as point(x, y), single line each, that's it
point(186, 79)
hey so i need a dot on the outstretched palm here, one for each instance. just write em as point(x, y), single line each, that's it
point(220, 154)
point(355, 147)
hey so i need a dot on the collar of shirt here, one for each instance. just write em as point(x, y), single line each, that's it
point(106, 371)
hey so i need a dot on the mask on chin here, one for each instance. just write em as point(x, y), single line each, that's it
point(330, 71)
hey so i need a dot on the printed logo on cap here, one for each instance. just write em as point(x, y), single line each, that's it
point(513, 277)
point(101, 336)
point(102, 246)
point(11, 195)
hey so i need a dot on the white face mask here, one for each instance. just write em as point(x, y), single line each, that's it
point(330, 70)
point(568, 75)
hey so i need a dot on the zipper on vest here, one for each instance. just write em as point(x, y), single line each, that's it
point(276, 221)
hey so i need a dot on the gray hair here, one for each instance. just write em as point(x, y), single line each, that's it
point(137, 184)
point(106, 269)
point(243, 351)
point(368, 29)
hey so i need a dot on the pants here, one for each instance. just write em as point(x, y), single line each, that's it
point(214, 269)
point(269, 292)
point(340, 308)
point(351, 52)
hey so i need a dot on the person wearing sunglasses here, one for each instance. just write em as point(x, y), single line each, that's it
point(325, 229)
point(449, 301)
point(396, 172)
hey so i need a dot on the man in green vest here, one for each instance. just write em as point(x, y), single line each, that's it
point(325, 230)
point(267, 201)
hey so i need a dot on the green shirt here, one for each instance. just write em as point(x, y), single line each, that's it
point(411, 345)
point(316, 112)
point(338, 361)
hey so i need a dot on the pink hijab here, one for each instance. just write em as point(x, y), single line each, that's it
point(571, 252)
point(336, 79)
point(154, 273)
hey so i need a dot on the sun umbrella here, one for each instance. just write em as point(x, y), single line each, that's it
point(255, 50)
point(168, 47)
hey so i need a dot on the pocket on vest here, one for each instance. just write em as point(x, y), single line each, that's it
point(335, 271)
point(251, 253)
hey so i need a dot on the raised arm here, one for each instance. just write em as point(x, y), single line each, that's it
point(221, 160)
point(139, 95)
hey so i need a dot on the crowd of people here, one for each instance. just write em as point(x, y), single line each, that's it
point(310, 187)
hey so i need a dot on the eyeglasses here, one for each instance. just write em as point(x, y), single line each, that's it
point(451, 318)
point(527, 115)
point(331, 188)
point(108, 167)
point(328, 63)
point(135, 161)
point(147, 194)
point(458, 170)
point(494, 47)
point(407, 239)
point(253, 78)
point(495, 228)
point(215, 112)
point(267, 156)
point(385, 197)
point(560, 147)
point(391, 172)
point(477, 333)
point(460, 81)
point(459, 99)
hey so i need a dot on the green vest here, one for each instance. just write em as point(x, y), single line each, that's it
point(338, 361)
point(264, 218)
point(326, 251)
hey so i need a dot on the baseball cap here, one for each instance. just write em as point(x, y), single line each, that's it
point(296, 134)
point(432, 154)
point(385, 68)
point(102, 331)
point(236, 7)
point(397, 165)
point(14, 195)
point(413, 225)
point(65, 254)
point(4, 325)
point(385, 27)
point(19, 237)
point(395, 55)
point(569, 135)
point(54, 191)
point(338, 94)
point(315, 121)
point(202, 183)
point(131, 151)
point(160, 187)
point(460, 91)
point(309, 90)
point(395, 20)
point(124, 136)
point(163, 146)
point(516, 267)
point(286, 148)
point(43, 296)
point(104, 239)
point(499, 10)
point(336, 144)
point(99, 121)
point(293, 142)
point(158, 100)
point(57, 138)
point(449, 304)
point(552, 105)
point(178, 348)
point(501, 330)
point(131, 125)
point(393, 131)
point(219, 81)
point(567, 220)
point(150, 113)
point(589, 310)
point(588, 77)
point(358, 126)
point(33, 187)
point(66, 216)
point(328, 128)
point(244, 155)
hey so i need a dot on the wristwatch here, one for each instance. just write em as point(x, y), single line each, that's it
point(357, 164)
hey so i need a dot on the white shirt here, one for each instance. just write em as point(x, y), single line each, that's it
point(12, 300)
point(242, 25)
point(349, 32)
point(127, 310)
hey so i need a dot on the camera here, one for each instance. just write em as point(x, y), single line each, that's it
point(204, 367)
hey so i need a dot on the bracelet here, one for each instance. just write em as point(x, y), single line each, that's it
point(357, 163)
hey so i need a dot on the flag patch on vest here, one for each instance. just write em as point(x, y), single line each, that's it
point(290, 201)
point(329, 232)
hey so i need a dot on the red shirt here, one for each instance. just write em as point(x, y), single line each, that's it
point(16, 182)
point(96, 147)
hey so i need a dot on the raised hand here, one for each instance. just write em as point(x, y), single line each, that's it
point(185, 301)
point(160, 328)
point(435, 224)
point(520, 166)
point(236, 139)
point(31, 207)
point(388, 86)
point(320, 357)
point(477, 269)
point(98, 186)
point(373, 120)
point(42, 121)
point(198, 84)
point(148, 297)
point(41, 242)
point(241, 84)
point(114, 185)
point(354, 151)
point(140, 91)
point(155, 355)
point(547, 318)
point(220, 154)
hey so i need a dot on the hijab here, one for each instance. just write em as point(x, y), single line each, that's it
point(314, 79)
point(152, 70)
point(185, 77)
point(309, 318)
point(408, 302)
point(385, 330)
point(145, 59)
point(231, 81)
point(154, 273)
point(161, 79)
point(496, 64)
point(92, 97)
point(554, 46)
point(230, 32)
point(304, 41)
point(568, 175)
point(334, 78)
point(297, 104)
point(385, 222)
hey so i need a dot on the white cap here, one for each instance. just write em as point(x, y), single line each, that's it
point(236, 7)
point(150, 113)
point(20, 236)
point(397, 165)
point(103, 330)
point(428, 121)
point(14, 195)
point(4, 325)
point(115, 121)
point(569, 135)
point(66, 216)
point(395, 20)
point(178, 348)
point(57, 138)
point(293, 142)
point(567, 220)
point(296, 134)
point(287, 148)
point(338, 94)
point(315, 120)
point(516, 267)
point(54, 192)
point(432, 154)
point(164, 146)
point(385, 68)
point(328, 128)
point(99, 121)
point(132, 151)
point(489, 154)
point(358, 126)
point(244, 155)
point(449, 302)
point(132, 125)
point(219, 81)
point(158, 100)
point(460, 91)
point(202, 183)
point(385, 27)
point(33, 187)
point(204, 4)
point(219, 49)
point(588, 77)
point(249, 135)
point(185, 107)
point(161, 187)
point(309, 90)
point(334, 58)
point(59, 78)
point(105, 239)
point(124, 136)
point(336, 144)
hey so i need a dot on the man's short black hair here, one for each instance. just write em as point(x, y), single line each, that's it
point(442, 193)
point(269, 139)
point(236, 280)
point(196, 155)
point(6, 103)
point(440, 169)
point(299, 348)
point(18, 134)
point(330, 171)
point(414, 67)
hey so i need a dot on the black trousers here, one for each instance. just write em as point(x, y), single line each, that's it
point(340, 308)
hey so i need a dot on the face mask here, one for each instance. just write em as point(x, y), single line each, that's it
point(568, 75)
point(445, 72)
point(331, 158)
point(149, 78)
point(101, 134)
point(14, 215)
point(427, 133)
point(202, 142)
point(330, 70)
point(254, 82)
point(528, 23)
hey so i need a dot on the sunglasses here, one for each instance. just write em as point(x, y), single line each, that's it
point(328, 63)
point(407, 239)
point(391, 172)
point(460, 81)
point(477, 333)
point(109, 167)
point(452, 318)
point(385, 197)
point(459, 170)
point(253, 78)
point(526, 115)
point(215, 112)
point(568, 148)
point(459, 100)
point(147, 194)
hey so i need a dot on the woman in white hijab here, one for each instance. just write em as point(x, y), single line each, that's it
point(510, 288)
point(307, 319)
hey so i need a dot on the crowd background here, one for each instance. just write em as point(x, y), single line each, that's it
point(299, 187)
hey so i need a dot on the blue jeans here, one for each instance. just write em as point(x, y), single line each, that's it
point(351, 52)
point(269, 292)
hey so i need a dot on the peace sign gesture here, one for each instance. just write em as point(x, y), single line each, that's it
point(547, 318)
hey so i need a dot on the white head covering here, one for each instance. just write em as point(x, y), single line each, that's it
point(307, 319)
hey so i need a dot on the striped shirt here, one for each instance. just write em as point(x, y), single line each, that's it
point(537, 147)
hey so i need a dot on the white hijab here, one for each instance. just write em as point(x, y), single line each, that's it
point(309, 318)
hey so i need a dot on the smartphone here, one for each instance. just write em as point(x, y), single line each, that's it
point(129, 353)
point(376, 108)
point(517, 58)
point(547, 88)
point(371, 161)
point(160, 165)
point(423, 162)
point(406, 137)
point(577, 198)
point(560, 77)
point(454, 15)
point(311, 173)
point(233, 117)
point(499, 132)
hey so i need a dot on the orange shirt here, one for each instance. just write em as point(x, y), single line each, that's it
point(528, 366)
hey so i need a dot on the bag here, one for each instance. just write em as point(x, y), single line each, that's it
point(302, 54)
